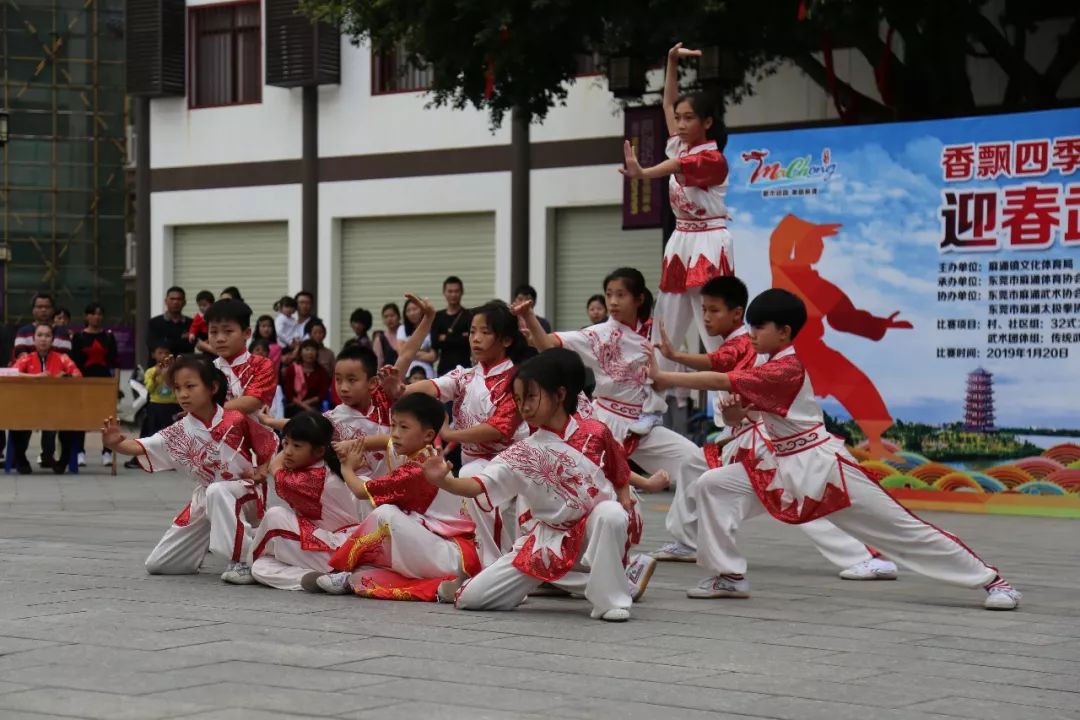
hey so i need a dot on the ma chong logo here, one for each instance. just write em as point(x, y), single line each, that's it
point(799, 171)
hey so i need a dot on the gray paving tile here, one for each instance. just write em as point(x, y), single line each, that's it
point(979, 708)
point(106, 706)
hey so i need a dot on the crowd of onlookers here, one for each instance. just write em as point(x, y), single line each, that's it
point(292, 336)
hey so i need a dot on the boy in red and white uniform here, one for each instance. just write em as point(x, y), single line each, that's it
point(417, 535)
point(795, 470)
point(219, 449)
point(252, 380)
point(573, 479)
point(298, 538)
point(723, 302)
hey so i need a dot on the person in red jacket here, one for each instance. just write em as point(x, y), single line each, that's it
point(43, 360)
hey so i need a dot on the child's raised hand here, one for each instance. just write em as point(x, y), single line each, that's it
point(654, 366)
point(110, 433)
point(354, 455)
point(665, 347)
point(390, 380)
point(436, 468)
point(522, 309)
point(424, 304)
point(633, 167)
point(678, 51)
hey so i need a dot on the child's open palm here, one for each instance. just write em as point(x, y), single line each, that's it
point(110, 433)
point(436, 468)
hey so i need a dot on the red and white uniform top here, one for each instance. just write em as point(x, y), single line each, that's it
point(406, 487)
point(483, 395)
point(356, 423)
point(219, 450)
point(251, 375)
point(560, 476)
point(617, 355)
point(322, 502)
point(736, 353)
point(797, 468)
point(700, 248)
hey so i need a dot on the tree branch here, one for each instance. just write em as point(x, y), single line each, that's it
point(1065, 59)
point(1006, 56)
point(868, 107)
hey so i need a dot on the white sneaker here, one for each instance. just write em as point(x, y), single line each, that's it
point(645, 423)
point(872, 569)
point(676, 552)
point(106, 458)
point(82, 459)
point(639, 571)
point(333, 583)
point(721, 586)
point(1002, 598)
point(238, 574)
point(612, 615)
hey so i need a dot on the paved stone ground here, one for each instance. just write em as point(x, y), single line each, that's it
point(84, 632)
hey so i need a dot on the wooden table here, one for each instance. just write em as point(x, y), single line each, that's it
point(30, 402)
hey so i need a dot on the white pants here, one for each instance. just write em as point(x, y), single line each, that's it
point(725, 498)
point(501, 586)
point(220, 519)
point(838, 547)
point(666, 449)
point(282, 561)
point(414, 551)
point(496, 529)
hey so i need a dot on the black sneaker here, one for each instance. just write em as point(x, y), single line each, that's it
point(133, 464)
point(24, 468)
point(46, 462)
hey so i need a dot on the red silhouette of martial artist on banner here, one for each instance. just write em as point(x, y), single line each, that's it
point(794, 247)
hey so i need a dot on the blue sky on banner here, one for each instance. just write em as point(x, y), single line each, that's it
point(885, 188)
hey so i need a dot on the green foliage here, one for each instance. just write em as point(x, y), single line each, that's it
point(532, 46)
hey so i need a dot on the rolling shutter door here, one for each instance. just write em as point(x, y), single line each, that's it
point(590, 243)
point(252, 256)
point(382, 258)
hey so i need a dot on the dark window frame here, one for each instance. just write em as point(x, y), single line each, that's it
point(237, 83)
point(386, 76)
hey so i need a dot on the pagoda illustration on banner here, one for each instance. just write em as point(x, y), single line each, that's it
point(979, 403)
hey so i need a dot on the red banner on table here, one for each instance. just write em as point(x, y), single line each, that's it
point(643, 200)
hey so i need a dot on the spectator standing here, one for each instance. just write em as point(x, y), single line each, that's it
point(305, 311)
point(43, 311)
point(162, 408)
point(43, 359)
point(426, 356)
point(95, 354)
point(450, 329)
point(231, 293)
point(285, 323)
point(386, 343)
point(171, 327)
point(62, 318)
point(198, 332)
point(306, 382)
point(597, 309)
point(360, 322)
point(266, 329)
point(325, 356)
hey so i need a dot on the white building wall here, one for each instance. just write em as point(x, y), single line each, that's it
point(352, 121)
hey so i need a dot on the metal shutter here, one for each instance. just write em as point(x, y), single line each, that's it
point(382, 258)
point(251, 256)
point(590, 243)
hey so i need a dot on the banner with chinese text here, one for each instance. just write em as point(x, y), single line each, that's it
point(940, 264)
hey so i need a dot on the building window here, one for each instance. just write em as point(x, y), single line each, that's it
point(226, 54)
point(391, 72)
point(588, 64)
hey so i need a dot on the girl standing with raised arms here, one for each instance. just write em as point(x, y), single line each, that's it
point(701, 247)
